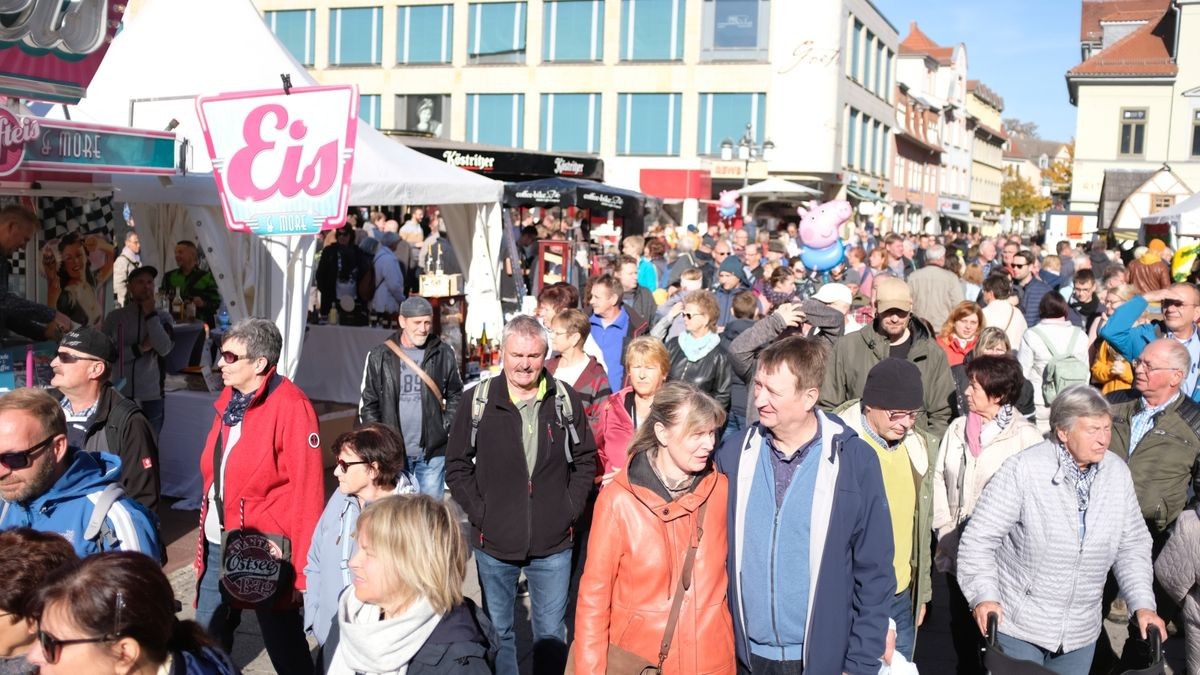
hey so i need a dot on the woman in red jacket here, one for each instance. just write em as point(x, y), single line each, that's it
point(568, 332)
point(262, 473)
point(669, 500)
point(647, 366)
point(960, 332)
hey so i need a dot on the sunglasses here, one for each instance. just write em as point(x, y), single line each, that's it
point(1017, 266)
point(69, 358)
point(1171, 302)
point(22, 459)
point(344, 465)
point(229, 357)
point(52, 646)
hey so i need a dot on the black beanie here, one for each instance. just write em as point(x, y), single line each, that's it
point(894, 384)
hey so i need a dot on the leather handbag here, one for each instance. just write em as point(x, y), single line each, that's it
point(624, 662)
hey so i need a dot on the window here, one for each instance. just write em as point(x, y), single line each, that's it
point(725, 116)
point(875, 143)
point(855, 48)
point(368, 109)
point(878, 84)
point(1133, 132)
point(574, 30)
point(1196, 133)
point(571, 123)
point(864, 124)
point(424, 114)
point(496, 119)
point(424, 34)
point(868, 49)
point(296, 30)
point(652, 30)
point(356, 36)
point(887, 82)
point(1161, 202)
point(648, 124)
point(851, 138)
point(497, 32)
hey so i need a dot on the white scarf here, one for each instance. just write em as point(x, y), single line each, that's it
point(368, 643)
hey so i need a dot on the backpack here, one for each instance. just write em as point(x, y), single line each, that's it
point(562, 410)
point(1064, 369)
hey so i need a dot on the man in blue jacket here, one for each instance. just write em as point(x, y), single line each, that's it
point(810, 542)
point(1180, 309)
point(47, 485)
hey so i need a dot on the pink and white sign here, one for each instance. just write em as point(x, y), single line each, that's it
point(50, 50)
point(14, 132)
point(282, 162)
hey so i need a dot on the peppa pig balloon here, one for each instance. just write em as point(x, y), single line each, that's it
point(728, 203)
point(822, 249)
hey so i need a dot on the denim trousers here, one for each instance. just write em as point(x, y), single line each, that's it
point(429, 474)
point(282, 631)
point(901, 612)
point(548, 578)
point(1068, 663)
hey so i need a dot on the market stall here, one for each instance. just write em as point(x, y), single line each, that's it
point(1177, 226)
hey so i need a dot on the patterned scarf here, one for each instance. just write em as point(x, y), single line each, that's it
point(235, 410)
point(975, 425)
point(1082, 478)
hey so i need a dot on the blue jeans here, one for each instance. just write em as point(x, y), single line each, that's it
point(430, 475)
point(901, 612)
point(154, 411)
point(548, 578)
point(282, 631)
point(1069, 663)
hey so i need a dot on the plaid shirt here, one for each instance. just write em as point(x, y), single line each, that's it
point(1143, 421)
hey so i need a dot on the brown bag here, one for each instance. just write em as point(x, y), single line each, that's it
point(437, 392)
point(624, 662)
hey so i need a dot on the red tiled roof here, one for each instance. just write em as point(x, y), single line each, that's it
point(918, 42)
point(1095, 11)
point(1145, 51)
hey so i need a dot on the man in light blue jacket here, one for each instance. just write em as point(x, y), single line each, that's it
point(49, 486)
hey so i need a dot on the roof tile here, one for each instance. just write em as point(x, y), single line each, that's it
point(1145, 51)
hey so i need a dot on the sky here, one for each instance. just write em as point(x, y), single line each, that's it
point(1020, 49)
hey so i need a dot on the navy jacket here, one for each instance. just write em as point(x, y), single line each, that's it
point(853, 578)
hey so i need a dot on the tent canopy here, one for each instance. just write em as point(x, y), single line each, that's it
point(778, 187)
point(577, 192)
point(1184, 217)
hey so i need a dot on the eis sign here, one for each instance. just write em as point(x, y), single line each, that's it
point(282, 162)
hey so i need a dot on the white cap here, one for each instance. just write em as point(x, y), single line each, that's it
point(830, 293)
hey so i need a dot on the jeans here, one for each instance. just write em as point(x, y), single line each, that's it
point(430, 475)
point(282, 631)
point(1069, 663)
point(763, 666)
point(901, 612)
point(548, 580)
point(155, 411)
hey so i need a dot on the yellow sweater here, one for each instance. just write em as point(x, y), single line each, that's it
point(901, 490)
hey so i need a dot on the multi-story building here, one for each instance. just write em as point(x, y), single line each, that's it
point(1136, 94)
point(984, 107)
point(651, 86)
point(918, 167)
point(947, 85)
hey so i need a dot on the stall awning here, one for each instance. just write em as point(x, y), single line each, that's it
point(504, 163)
point(584, 194)
point(863, 194)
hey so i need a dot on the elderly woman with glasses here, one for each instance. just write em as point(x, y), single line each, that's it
point(370, 466)
point(262, 471)
point(697, 356)
point(1047, 529)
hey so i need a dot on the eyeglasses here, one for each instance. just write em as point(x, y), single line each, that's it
point(52, 646)
point(897, 415)
point(1017, 266)
point(69, 358)
point(22, 459)
point(690, 315)
point(560, 333)
point(1139, 363)
point(1171, 302)
point(229, 357)
point(344, 465)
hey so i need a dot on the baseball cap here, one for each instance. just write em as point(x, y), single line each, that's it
point(143, 269)
point(92, 342)
point(892, 293)
point(834, 292)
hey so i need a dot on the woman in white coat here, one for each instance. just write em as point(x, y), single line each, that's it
point(972, 450)
point(1052, 334)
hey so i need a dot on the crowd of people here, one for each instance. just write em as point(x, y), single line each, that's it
point(707, 459)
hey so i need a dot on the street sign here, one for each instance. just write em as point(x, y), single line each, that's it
point(282, 161)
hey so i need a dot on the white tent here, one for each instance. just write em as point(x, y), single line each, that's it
point(171, 51)
point(1184, 218)
point(778, 187)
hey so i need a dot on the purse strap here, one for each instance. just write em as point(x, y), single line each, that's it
point(685, 582)
point(437, 393)
point(218, 454)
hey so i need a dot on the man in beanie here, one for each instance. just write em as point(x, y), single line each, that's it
point(144, 337)
point(885, 418)
point(893, 333)
point(98, 417)
point(731, 280)
point(411, 383)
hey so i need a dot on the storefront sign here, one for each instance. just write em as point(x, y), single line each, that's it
point(31, 143)
point(282, 162)
point(15, 132)
point(515, 164)
point(469, 161)
point(955, 206)
point(50, 49)
point(566, 167)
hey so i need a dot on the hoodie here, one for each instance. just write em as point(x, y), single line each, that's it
point(67, 506)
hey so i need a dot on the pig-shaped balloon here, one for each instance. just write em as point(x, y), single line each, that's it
point(728, 203)
point(821, 246)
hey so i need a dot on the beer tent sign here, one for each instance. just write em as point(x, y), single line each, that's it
point(282, 159)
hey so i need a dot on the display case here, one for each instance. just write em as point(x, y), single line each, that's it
point(449, 324)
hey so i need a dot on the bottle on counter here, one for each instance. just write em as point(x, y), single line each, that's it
point(223, 318)
point(176, 305)
point(333, 315)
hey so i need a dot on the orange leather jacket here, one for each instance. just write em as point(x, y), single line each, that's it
point(635, 555)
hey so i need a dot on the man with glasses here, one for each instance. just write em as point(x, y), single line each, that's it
point(99, 418)
point(1030, 290)
point(892, 334)
point(885, 417)
point(49, 485)
point(1180, 309)
point(1083, 299)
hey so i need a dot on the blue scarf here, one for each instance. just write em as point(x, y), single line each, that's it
point(235, 410)
point(697, 348)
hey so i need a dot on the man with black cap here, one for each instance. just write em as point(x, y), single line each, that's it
point(419, 401)
point(99, 418)
point(143, 337)
point(885, 417)
point(731, 280)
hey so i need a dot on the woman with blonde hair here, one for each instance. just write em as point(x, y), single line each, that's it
point(697, 356)
point(406, 612)
point(1111, 371)
point(654, 588)
point(647, 365)
point(960, 332)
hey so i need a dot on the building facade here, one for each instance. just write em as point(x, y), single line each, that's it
point(645, 84)
point(917, 172)
point(984, 108)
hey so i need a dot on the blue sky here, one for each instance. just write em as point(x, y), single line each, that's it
point(1021, 49)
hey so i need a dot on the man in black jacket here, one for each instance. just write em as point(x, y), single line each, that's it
point(523, 477)
point(395, 393)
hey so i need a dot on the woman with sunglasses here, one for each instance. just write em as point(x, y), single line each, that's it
point(114, 614)
point(370, 466)
point(26, 557)
point(263, 474)
point(697, 356)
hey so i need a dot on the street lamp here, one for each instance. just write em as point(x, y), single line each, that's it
point(747, 152)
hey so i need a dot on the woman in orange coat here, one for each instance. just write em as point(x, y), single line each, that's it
point(644, 525)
